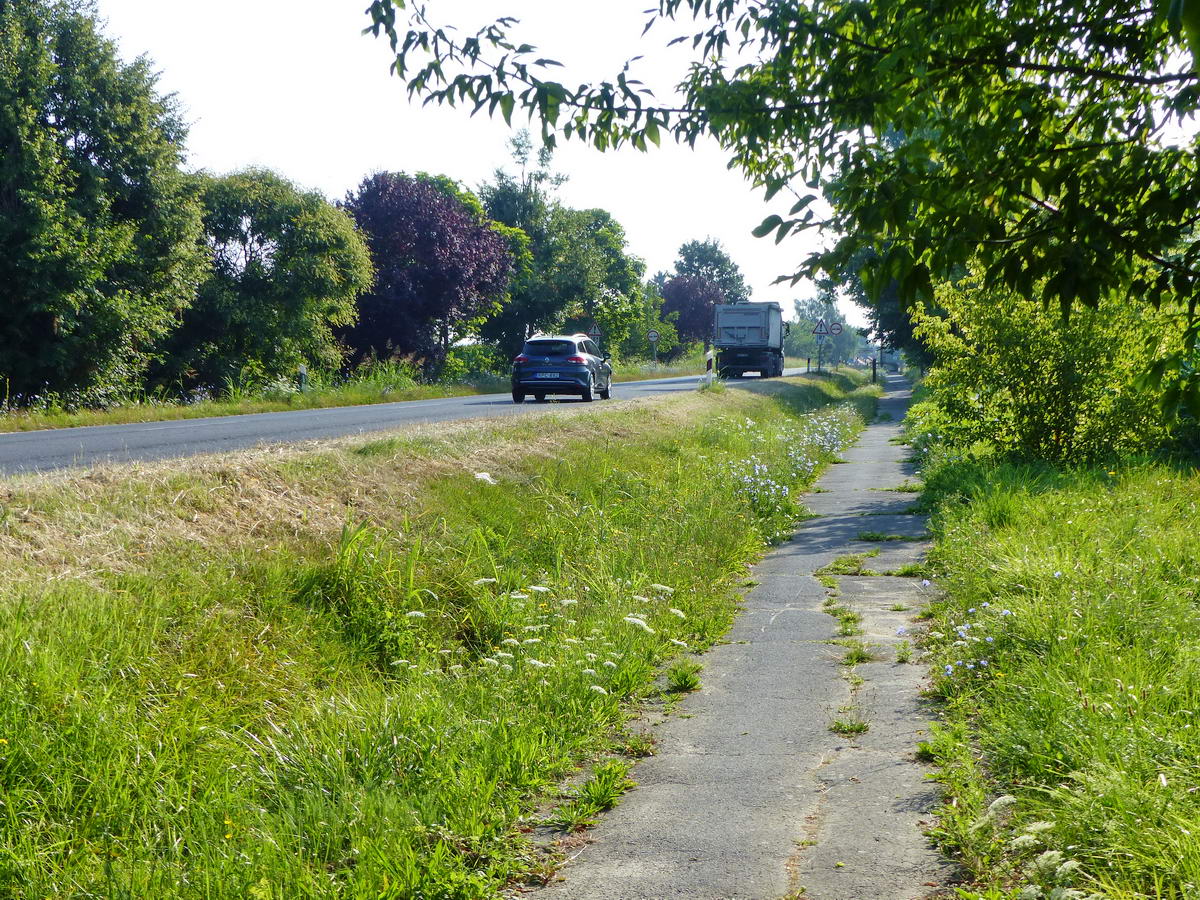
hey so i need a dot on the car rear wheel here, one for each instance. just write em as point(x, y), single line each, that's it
point(588, 394)
point(607, 392)
point(518, 396)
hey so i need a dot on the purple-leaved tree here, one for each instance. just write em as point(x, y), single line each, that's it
point(693, 298)
point(439, 268)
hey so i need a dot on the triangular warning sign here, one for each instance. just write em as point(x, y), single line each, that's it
point(821, 328)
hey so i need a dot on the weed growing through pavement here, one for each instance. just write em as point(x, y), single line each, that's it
point(684, 677)
point(849, 564)
point(850, 726)
point(885, 536)
point(856, 652)
point(639, 744)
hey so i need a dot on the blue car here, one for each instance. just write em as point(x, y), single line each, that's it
point(561, 364)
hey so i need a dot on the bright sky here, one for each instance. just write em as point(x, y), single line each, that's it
point(293, 85)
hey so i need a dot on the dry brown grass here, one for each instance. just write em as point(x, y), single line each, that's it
point(114, 517)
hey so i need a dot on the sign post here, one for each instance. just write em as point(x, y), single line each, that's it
point(652, 336)
point(821, 330)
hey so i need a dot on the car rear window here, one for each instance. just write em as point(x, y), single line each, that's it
point(549, 348)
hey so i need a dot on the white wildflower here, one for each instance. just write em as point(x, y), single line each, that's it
point(1037, 827)
point(589, 671)
point(414, 614)
point(573, 640)
point(532, 641)
point(640, 623)
point(663, 588)
point(566, 602)
point(502, 655)
point(1047, 862)
point(537, 663)
point(506, 667)
point(677, 612)
point(519, 596)
point(479, 581)
point(610, 664)
point(511, 642)
point(1066, 872)
point(678, 643)
point(1001, 804)
point(485, 478)
point(598, 690)
point(1024, 842)
point(487, 660)
point(539, 589)
point(641, 599)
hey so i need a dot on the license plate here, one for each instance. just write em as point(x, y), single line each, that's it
point(546, 375)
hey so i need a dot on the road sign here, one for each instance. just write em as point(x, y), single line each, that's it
point(835, 328)
point(652, 336)
point(821, 338)
point(594, 334)
point(821, 329)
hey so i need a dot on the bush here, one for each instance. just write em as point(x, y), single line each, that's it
point(1024, 378)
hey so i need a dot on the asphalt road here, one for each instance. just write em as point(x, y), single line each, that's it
point(32, 451)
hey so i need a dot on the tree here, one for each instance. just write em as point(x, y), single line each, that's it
point(98, 227)
point(286, 268)
point(599, 280)
point(688, 302)
point(650, 310)
point(1023, 134)
point(801, 341)
point(707, 259)
point(440, 268)
point(524, 202)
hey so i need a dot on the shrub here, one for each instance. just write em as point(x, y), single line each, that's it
point(1012, 372)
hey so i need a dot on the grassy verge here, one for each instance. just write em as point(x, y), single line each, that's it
point(353, 671)
point(381, 384)
point(1069, 659)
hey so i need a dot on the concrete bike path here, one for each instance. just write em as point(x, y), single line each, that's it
point(750, 794)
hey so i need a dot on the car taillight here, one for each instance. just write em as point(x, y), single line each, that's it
point(520, 358)
point(576, 359)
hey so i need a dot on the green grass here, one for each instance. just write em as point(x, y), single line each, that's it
point(381, 383)
point(884, 536)
point(856, 652)
point(1081, 590)
point(684, 677)
point(851, 727)
point(208, 688)
point(849, 564)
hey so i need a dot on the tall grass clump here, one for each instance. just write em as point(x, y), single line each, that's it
point(215, 697)
point(1068, 648)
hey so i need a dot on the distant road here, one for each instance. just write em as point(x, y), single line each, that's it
point(31, 451)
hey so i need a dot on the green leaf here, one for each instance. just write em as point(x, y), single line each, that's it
point(769, 224)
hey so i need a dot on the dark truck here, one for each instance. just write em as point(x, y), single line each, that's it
point(749, 338)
